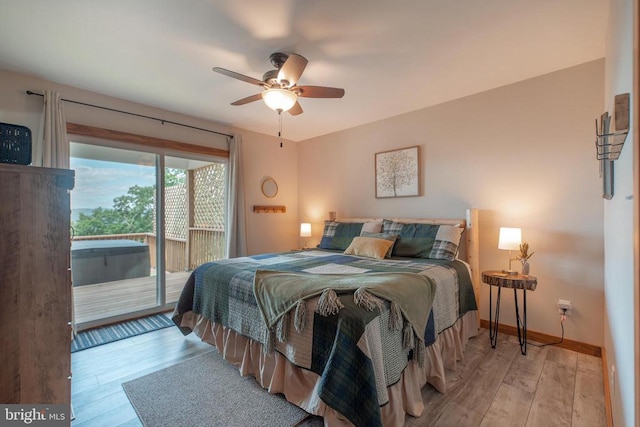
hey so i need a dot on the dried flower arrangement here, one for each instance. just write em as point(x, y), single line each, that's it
point(524, 252)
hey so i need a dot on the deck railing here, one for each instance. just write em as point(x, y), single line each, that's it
point(204, 245)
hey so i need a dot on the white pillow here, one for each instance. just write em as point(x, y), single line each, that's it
point(371, 227)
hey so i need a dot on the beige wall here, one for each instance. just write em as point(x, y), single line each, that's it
point(263, 155)
point(271, 232)
point(522, 153)
point(620, 299)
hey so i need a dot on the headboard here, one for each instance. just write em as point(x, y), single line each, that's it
point(469, 251)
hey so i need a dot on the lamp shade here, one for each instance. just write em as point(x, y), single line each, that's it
point(305, 229)
point(279, 99)
point(510, 238)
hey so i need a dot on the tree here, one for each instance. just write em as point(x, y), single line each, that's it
point(131, 213)
point(101, 221)
point(136, 209)
point(174, 177)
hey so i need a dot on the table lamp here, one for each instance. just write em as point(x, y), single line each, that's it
point(510, 239)
point(305, 231)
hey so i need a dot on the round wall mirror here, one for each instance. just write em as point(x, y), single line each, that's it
point(269, 187)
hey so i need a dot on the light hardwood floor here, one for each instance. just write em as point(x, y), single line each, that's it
point(547, 387)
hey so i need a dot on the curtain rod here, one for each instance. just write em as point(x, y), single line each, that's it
point(163, 121)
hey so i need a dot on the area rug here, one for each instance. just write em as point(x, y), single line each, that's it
point(119, 331)
point(207, 391)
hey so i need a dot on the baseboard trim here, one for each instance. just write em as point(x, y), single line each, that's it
point(607, 389)
point(577, 346)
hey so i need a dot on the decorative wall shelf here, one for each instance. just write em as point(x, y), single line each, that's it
point(609, 144)
point(269, 209)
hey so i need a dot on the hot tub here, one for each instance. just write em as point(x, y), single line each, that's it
point(97, 261)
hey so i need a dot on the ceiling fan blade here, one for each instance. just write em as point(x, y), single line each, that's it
point(292, 69)
point(319, 92)
point(248, 99)
point(238, 76)
point(296, 109)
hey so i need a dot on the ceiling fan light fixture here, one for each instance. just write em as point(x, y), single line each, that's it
point(279, 99)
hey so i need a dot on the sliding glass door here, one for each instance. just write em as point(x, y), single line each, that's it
point(141, 221)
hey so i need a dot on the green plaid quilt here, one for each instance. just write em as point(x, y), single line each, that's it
point(351, 381)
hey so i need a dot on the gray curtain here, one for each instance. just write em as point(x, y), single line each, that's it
point(51, 147)
point(236, 219)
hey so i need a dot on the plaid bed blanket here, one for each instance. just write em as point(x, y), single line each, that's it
point(280, 295)
point(355, 353)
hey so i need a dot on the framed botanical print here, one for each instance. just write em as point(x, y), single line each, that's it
point(397, 173)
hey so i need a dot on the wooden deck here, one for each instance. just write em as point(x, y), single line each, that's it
point(120, 298)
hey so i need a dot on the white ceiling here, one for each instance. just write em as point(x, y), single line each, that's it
point(391, 57)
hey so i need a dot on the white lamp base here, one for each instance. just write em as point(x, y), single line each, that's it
point(510, 272)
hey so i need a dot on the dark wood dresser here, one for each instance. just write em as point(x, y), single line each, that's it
point(35, 285)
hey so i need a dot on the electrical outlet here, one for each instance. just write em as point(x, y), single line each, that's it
point(564, 307)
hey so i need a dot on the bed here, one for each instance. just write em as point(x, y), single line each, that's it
point(351, 330)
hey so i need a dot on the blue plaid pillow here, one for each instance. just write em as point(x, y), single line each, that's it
point(424, 240)
point(338, 235)
point(446, 244)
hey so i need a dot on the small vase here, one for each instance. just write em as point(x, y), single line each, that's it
point(525, 268)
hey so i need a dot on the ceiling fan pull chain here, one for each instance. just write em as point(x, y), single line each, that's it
point(280, 130)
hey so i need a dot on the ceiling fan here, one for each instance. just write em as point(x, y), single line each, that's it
point(280, 90)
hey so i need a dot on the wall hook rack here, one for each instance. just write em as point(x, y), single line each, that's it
point(269, 209)
point(609, 144)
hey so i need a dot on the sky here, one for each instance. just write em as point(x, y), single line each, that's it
point(99, 182)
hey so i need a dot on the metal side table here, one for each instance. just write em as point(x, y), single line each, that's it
point(515, 281)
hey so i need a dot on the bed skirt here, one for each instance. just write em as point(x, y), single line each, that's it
point(277, 374)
